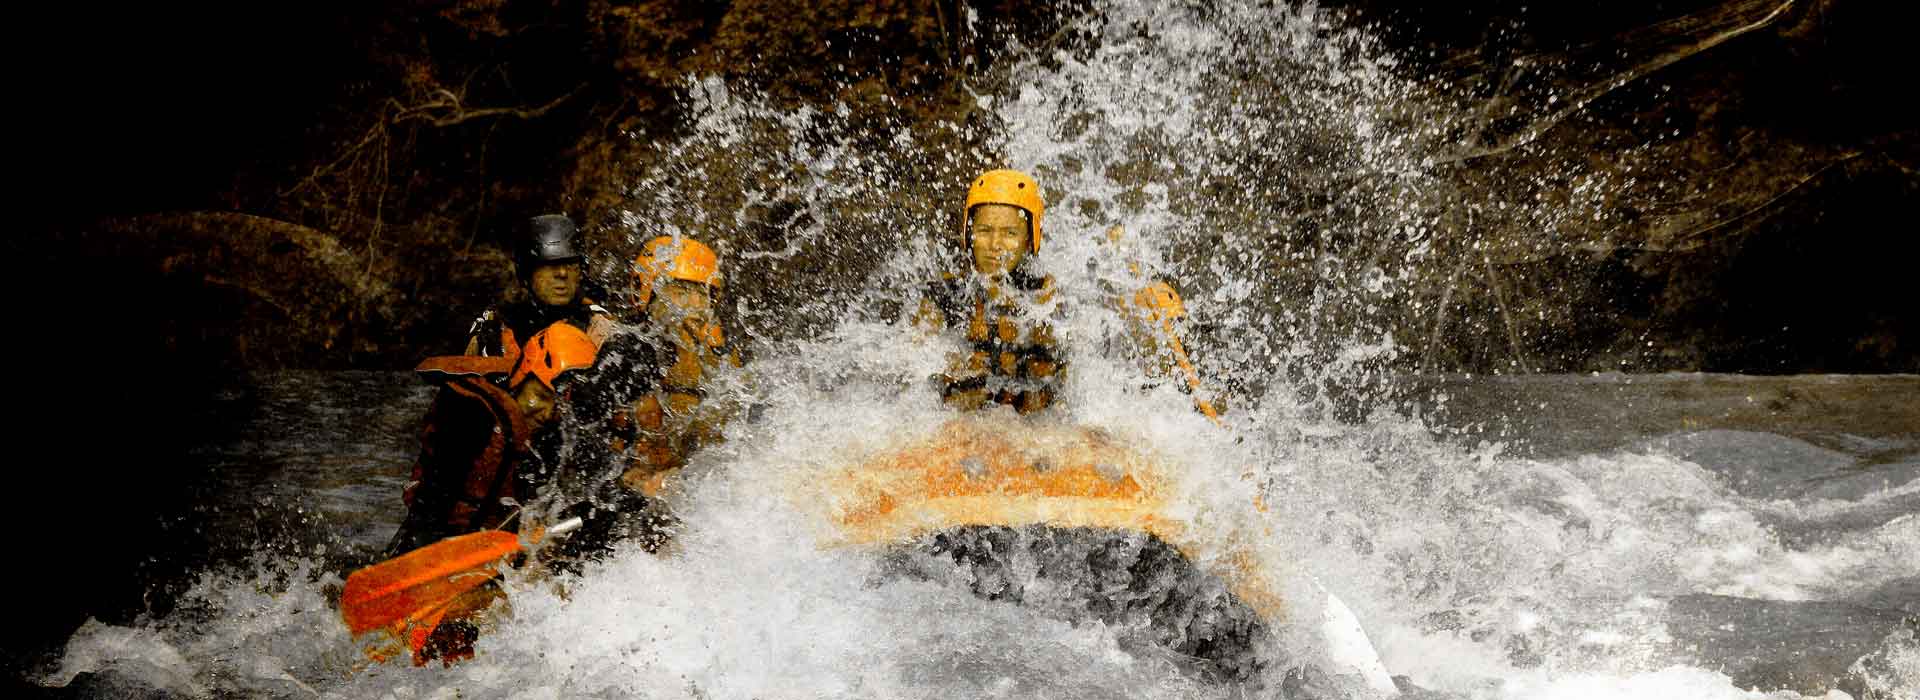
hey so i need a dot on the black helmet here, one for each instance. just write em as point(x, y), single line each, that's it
point(549, 239)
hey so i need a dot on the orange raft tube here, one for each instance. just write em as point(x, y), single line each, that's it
point(1003, 471)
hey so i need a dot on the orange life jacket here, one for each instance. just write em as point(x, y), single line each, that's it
point(492, 333)
point(1013, 357)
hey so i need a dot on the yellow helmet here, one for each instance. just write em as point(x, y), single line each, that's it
point(1158, 301)
point(552, 352)
point(1012, 188)
point(692, 261)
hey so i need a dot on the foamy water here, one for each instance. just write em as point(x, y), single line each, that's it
point(1476, 572)
point(1453, 557)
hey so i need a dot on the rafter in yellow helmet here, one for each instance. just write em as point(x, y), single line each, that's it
point(1012, 188)
point(692, 261)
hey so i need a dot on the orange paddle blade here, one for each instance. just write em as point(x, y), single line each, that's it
point(422, 579)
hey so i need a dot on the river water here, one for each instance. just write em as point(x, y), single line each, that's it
point(1681, 536)
point(1593, 536)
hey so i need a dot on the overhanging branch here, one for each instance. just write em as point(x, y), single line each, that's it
point(1721, 25)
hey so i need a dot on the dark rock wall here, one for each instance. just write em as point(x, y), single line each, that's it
point(1774, 161)
point(327, 185)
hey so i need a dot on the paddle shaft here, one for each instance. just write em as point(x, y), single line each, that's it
point(1180, 358)
point(1347, 640)
point(1173, 344)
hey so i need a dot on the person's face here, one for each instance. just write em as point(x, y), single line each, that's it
point(537, 402)
point(998, 237)
point(682, 303)
point(555, 284)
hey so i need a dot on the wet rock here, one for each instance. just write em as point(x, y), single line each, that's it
point(1309, 682)
point(1870, 420)
point(1758, 465)
point(1807, 647)
point(1409, 691)
point(1899, 594)
point(1866, 481)
point(1802, 532)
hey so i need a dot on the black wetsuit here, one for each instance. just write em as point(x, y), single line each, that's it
point(598, 426)
point(520, 320)
point(475, 451)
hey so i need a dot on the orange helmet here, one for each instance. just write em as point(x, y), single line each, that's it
point(1158, 301)
point(1012, 188)
point(692, 261)
point(553, 351)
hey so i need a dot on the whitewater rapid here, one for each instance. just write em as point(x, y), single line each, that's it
point(1476, 573)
